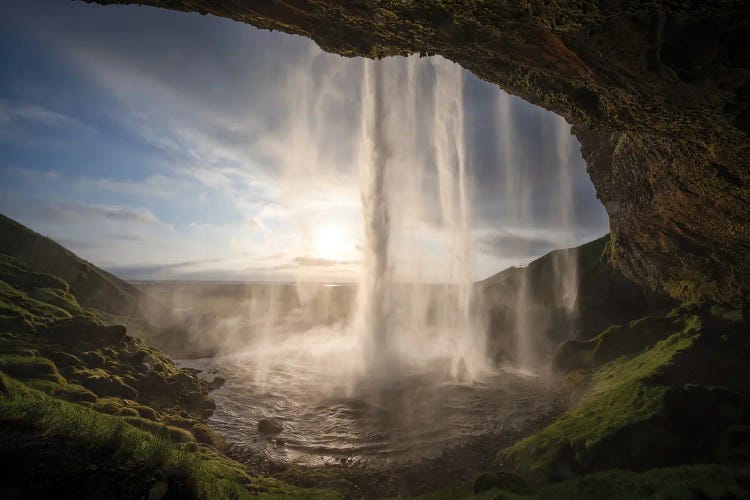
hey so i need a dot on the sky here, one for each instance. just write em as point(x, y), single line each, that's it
point(165, 145)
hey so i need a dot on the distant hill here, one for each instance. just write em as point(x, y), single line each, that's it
point(94, 287)
point(114, 300)
point(605, 297)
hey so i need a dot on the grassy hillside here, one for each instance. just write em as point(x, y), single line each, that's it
point(92, 286)
point(605, 297)
point(114, 300)
point(87, 411)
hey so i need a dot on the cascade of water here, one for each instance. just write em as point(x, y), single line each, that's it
point(450, 163)
point(516, 204)
point(530, 310)
point(567, 262)
point(400, 169)
point(375, 282)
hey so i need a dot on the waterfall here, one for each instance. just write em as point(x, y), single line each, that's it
point(566, 263)
point(375, 283)
point(403, 172)
point(533, 310)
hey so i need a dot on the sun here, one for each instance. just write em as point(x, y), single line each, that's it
point(331, 241)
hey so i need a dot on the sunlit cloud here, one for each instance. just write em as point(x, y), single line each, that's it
point(238, 149)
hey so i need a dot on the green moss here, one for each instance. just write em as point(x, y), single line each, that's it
point(619, 398)
point(174, 433)
point(18, 309)
point(30, 367)
point(696, 481)
point(18, 275)
point(726, 313)
point(668, 483)
point(320, 477)
point(103, 383)
point(203, 473)
point(75, 394)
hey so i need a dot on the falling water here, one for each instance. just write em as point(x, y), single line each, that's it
point(531, 316)
point(399, 177)
point(376, 280)
point(566, 262)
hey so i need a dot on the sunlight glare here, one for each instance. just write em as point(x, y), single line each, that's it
point(332, 242)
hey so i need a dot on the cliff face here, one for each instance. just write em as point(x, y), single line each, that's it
point(658, 94)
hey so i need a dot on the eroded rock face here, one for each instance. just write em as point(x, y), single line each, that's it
point(658, 93)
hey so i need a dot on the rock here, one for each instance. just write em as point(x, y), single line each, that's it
point(280, 442)
point(104, 384)
point(500, 480)
point(64, 359)
point(93, 359)
point(83, 331)
point(573, 355)
point(158, 490)
point(196, 400)
point(270, 426)
point(216, 383)
point(146, 412)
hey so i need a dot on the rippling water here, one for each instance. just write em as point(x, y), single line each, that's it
point(330, 412)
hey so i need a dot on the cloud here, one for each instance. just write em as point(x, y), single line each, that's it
point(156, 185)
point(12, 112)
point(318, 262)
point(68, 209)
point(74, 212)
point(249, 150)
point(151, 271)
point(511, 245)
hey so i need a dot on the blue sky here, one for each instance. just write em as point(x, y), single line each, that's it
point(167, 145)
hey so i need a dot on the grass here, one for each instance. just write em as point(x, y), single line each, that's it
point(619, 397)
point(17, 308)
point(202, 472)
point(668, 483)
point(47, 419)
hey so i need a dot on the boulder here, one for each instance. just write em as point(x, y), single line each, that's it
point(93, 359)
point(82, 330)
point(573, 355)
point(269, 427)
point(216, 383)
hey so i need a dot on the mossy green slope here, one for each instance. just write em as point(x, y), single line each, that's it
point(113, 458)
point(87, 411)
point(92, 286)
point(656, 405)
point(690, 482)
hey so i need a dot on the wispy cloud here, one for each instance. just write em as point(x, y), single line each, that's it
point(13, 112)
point(509, 245)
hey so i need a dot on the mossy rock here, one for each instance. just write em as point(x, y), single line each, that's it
point(114, 406)
point(173, 433)
point(203, 434)
point(146, 412)
point(75, 394)
point(28, 367)
point(104, 384)
point(649, 409)
point(614, 342)
point(80, 331)
point(635, 337)
point(500, 480)
point(93, 359)
point(573, 355)
point(65, 359)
